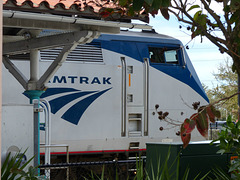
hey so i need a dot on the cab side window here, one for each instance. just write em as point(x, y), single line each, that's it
point(156, 55)
point(163, 55)
point(171, 57)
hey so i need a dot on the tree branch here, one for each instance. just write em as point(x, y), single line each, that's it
point(224, 99)
point(216, 18)
point(213, 39)
point(179, 18)
point(229, 28)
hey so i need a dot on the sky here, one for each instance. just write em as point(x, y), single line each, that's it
point(205, 56)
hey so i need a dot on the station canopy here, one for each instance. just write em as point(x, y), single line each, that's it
point(21, 16)
point(32, 25)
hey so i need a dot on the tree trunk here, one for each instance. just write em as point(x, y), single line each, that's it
point(238, 97)
point(236, 61)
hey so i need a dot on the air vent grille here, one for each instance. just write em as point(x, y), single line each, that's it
point(91, 52)
point(84, 52)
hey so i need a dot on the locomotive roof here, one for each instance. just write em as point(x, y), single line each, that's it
point(145, 36)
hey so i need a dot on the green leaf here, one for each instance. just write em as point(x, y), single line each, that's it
point(229, 119)
point(234, 68)
point(137, 5)
point(193, 7)
point(234, 167)
point(197, 14)
point(202, 20)
point(149, 2)
point(32, 171)
point(154, 12)
point(102, 175)
point(204, 177)
point(235, 17)
point(130, 11)
point(165, 3)
point(226, 9)
point(220, 174)
point(196, 33)
point(186, 173)
point(237, 41)
point(184, 136)
point(123, 2)
point(19, 171)
point(202, 122)
point(213, 113)
point(4, 166)
point(164, 12)
point(221, 151)
point(156, 4)
point(13, 166)
point(189, 124)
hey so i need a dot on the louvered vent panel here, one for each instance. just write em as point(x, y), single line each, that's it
point(50, 54)
point(84, 52)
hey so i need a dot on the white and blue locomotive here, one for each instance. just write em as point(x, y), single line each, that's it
point(103, 97)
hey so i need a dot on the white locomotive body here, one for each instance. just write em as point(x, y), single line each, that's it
point(103, 97)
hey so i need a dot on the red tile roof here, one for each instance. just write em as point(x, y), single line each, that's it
point(83, 8)
point(66, 4)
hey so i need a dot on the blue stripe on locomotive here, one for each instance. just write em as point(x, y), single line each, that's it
point(75, 112)
point(137, 48)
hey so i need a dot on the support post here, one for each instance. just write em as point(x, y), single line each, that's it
point(34, 69)
point(34, 96)
point(34, 64)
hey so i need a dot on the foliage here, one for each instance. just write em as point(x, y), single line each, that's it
point(227, 85)
point(13, 168)
point(219, 174)
point(164, 171)
point(222, 98)
point(200, 120)
point(229, 138)
point(150, 6)
point(94, 176)
point(169, 170)
point(200, 18)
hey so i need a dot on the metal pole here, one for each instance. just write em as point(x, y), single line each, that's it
point(36, 133)
point(47, 111)
point(146, 96)
point(124, 97)
point(34, 96)
point(67, 149)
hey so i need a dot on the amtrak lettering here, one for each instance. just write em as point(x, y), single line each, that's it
point(81, 80)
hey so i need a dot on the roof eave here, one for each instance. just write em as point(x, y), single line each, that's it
point(59, 22)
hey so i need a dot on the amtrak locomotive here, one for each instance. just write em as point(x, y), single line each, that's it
point(103, 97)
